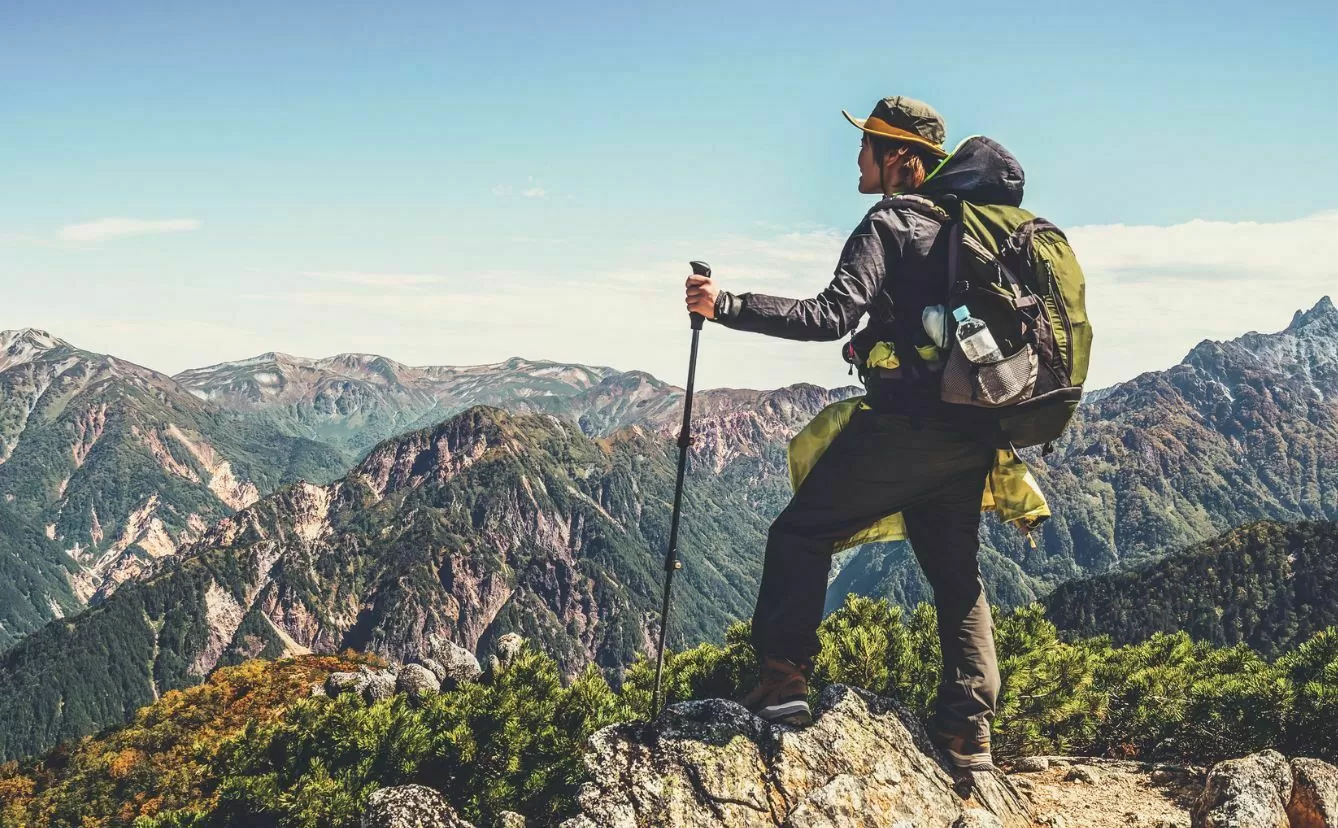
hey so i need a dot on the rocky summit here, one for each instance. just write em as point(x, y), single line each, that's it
point(865, 762)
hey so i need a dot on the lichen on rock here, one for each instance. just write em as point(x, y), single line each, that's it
point(863, 763)
point(410, 806)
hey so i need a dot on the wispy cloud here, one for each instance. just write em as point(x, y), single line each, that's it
point(105, 229)
point(1212, 249)
point(796, 262)
point(381, 280)
point(534, 189)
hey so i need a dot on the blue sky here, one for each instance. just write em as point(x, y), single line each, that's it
point(458, 183)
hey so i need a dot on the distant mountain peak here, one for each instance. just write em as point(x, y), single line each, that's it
point(20, 346)
point(35, 337)
point(267, 358)
point(1323, 311)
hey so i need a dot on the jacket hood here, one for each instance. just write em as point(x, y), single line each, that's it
point(979, 171)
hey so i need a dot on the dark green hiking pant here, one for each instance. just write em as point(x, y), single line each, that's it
point(879, 464)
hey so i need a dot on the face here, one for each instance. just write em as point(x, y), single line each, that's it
point(868, 169)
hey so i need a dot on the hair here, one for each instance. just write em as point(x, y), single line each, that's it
point(916, 163)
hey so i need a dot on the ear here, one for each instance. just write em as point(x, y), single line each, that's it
point(892, 160)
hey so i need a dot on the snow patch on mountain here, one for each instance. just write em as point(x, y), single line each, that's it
point(23, 346)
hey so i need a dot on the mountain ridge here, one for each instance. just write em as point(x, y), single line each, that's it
point(106, 465)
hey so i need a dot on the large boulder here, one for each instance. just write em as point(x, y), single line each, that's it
point(863, 763)
point(459, 664)
point(1251, 792)
point(1314, 802)
point(380, 686)
point(417, 681)
point(508, 647)
point(436, 668)
point(410, 806)
point(342, 682)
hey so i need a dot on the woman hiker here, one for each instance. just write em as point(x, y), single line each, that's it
point(902, 450)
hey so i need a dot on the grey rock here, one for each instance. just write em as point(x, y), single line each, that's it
point(1084, 774)
point(1251, 792)
point(508, 647)
point(380, 686)
point(1031, 764)
point(410, 806)
point(316, 689)
point(459, 664)
point(1314, 800)
point(337, 683)
point(1167, 774)
point(995, 792)
point(436, 668)
point(417, 681)
point(509, 819)
point(711, 763)
point(977, 818)
point(1023, 784)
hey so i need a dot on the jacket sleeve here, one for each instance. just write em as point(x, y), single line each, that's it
point(828, 316)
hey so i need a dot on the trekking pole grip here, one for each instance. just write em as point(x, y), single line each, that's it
point(699, 269)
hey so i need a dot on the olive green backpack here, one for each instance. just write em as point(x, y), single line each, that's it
point(1017, 274)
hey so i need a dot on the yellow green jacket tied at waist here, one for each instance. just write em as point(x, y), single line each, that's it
point(1011, 490)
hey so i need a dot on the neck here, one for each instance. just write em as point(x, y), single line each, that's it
point(891, 182)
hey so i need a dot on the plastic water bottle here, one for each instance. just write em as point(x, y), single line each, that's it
point(976, 340)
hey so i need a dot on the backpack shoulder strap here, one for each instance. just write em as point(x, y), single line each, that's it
point(924, 206)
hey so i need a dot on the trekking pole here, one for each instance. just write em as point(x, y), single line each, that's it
point(671, 564)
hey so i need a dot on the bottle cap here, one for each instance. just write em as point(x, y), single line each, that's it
point(960, 313)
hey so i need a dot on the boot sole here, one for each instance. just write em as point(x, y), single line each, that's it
point(794, 714)
point(973, 762)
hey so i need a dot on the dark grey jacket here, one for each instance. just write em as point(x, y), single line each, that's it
point(895, 258)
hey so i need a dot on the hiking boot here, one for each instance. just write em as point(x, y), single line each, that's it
point(967, 753)
point(781, 694)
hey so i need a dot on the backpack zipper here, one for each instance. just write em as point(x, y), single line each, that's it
point(1064, 315)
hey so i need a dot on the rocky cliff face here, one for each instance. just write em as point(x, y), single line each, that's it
point(106, 467)
point(1238, 431)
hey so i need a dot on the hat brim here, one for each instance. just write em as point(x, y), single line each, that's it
point(894, 134)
